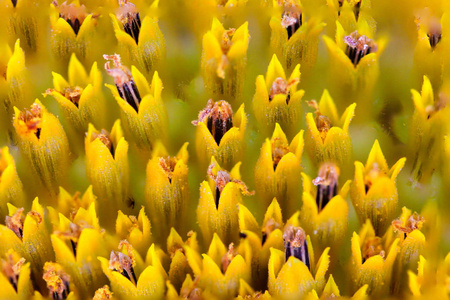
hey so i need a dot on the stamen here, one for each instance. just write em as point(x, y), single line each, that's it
point(268, 228)
point(228, 257)
point(168, 166)
point(415, 221)
point(225, 45)
point(123, 263)
point(218, 117)
point(279, 149)
point(128, 15)
point(73, 233)
point(30, 120)
point(15, 222)
point(291, 19)
point(103, 293)
point(124, 81)
point(323, 123)
point(11, 267)
point(357, 9)
point(295, 244)
point(72, 93)
point(14, 2)
point(222, 178)
point(74, 15)
point(358, 46)
point(105, 138)
point(435, 32)
point(281, 86)
point(57, 280)
point(327, 183)
point(372, 246)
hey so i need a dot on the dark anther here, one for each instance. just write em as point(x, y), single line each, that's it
point(295, 244)
point(128, 15)
point(291, 20)
point(217, 197)
point(434, 39)
point(38, 133)
point(218, 117)
point(130, 202)
point(130, 93)
point(263, 238)
point(132, 27)
point(74, 248)
point(326, 182)
point(74, 15)
point(357, 9)
point(14, 2)
point(122, 264)
point(242, 235)
point(124, 81)
point(358, 46)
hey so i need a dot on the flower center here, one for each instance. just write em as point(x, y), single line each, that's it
point(228, 257)
point(30, 120)
point(323, 123)
point(372, 246)
point(73, 233)
point(327, 184)
point(105, 138)
point(281, 86)
point(168, 166)
point(74, 15)
point(57, 280)
point(128, 15)
point(295, 244)
point(123, 80)
point(415, 221)
point(291, 19)
point(123, 263)
point(358, 46)
point(268, 228)
point(11, 266)
point(372, 176)
point(15, 222)
point(279, 149)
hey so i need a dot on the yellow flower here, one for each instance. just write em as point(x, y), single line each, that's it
point(429, 54)
point(73, 30)
point(167, 189)
point(43, 143)
point(354, 60)
point(29, 237)
point(257, 241)
point(15, 277)
point(372, 260)
point(143, 43)
point(77, 243)
point(427, 129)
point(324, 214)
point(429, 283)
point(11, 188)
point(327, 136)
point(224, 58)
point(217, 210)
point(80, 97)
point(374, 190)
point(136, 230)
point(277, 169)
point(220, 133)
point(128, 276)
point(220, 272)
point(412, 245)
point(294, 272)
point(142, 109)
point(107, 170)
point(294, 39)
point(277, 98)
point(14, 83)
point(179, 265)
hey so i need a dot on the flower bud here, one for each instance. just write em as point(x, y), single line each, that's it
point(327, 136)
point(224, 58)
point(43, 143)
point(374, 190)
point(277, 98)
point(220, 133)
